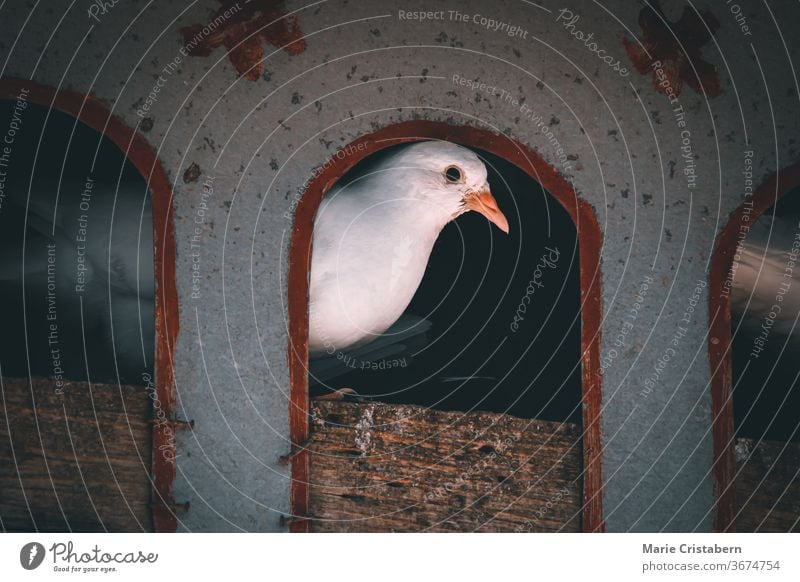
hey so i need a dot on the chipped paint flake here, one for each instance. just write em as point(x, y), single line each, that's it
point(363, 437)
point(742, 451)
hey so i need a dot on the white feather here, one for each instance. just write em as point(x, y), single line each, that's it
point(373, 236)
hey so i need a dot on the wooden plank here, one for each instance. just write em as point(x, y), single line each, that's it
point(767, 486)
point(77, 461)
point(379, 467)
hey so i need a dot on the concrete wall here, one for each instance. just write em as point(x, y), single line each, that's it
point(364, 66)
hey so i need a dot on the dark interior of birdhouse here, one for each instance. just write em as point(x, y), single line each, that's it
point(765, 330)
point(77, 254)
point(77, 349)
point(496, 319)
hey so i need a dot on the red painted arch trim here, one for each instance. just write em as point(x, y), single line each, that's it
point(719, 339)
point(94, 113)
point(590, 242)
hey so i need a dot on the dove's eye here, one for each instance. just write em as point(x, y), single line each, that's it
point(453, 174)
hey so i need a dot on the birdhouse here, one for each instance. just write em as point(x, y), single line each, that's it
point(535, 380)
point(360, 267)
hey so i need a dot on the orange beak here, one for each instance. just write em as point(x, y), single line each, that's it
point(484, 203)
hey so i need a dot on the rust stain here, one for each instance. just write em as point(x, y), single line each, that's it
point(244, 32)
point(590, 243)
point(679, 47)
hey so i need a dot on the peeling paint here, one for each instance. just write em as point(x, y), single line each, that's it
point(192, 173)
point(243, 33)
point(678, 46)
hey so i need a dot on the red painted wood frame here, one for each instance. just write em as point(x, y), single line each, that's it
point(92, 112)
point(590, 241)
point(719, 339)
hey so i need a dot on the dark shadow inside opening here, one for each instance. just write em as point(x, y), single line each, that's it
point(77, 283)
point(765, 302)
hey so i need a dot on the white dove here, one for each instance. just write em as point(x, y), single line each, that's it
point(374, 233)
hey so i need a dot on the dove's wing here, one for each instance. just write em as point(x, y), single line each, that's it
point(406, 337)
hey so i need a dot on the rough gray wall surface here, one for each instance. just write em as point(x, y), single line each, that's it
point(364, 68)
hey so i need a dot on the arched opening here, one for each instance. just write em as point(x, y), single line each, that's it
point(753, 356)
point(524, 165)
point(91, 352)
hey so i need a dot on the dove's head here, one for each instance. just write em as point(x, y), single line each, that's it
point(448, 180)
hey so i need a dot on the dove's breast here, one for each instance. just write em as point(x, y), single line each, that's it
point(367, 263)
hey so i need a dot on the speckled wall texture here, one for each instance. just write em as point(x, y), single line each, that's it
point(240, 121)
